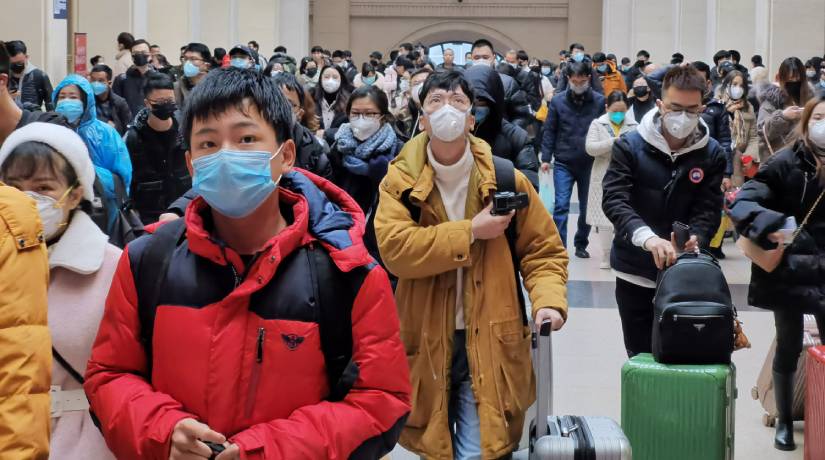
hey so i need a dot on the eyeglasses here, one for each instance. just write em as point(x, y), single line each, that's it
point(193, 60)
point(369, 115)
point(435, 101)
point(678, 108)
point(161, 102)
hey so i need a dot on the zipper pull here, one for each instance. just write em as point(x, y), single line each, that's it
point(675, 317)
point(260, 350)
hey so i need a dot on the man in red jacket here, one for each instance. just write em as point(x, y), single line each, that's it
point(258, 326)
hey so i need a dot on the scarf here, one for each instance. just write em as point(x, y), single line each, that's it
point(737, 127)
point(357, 154)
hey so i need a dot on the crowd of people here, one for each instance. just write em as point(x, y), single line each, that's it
point(324, 269)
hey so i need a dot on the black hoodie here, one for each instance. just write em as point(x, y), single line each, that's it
point(506, 139)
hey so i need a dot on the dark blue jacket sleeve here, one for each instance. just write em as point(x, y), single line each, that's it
point(551, 125)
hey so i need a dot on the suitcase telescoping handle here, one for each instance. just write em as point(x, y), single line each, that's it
point(544, 384)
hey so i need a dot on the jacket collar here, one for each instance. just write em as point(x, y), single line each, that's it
point(651, 131)
point(82, 247)
point(628, 124)
point(578, 100)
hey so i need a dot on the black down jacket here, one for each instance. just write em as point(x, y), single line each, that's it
point(786, 185)
point(506, 139)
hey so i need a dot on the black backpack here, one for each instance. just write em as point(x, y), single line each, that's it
point(127, 225)
point(693, 313)
point(336, 291)
point(505, 182)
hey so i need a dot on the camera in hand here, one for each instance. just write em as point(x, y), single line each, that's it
point(504, 202)
point(217, 449)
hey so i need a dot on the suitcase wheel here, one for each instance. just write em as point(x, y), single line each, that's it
point(755, 393)
point(768, 420)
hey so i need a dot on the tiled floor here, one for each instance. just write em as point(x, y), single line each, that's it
point(589, 354)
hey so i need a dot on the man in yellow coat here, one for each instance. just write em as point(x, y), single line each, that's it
point(25, 343)
point(466, 340)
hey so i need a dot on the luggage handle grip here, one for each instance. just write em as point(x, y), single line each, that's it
point(544, 378)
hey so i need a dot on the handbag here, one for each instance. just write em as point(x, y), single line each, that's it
point(769, 259)
point(541, 114)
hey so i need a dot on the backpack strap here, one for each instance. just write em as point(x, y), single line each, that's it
point(337, 292)
point(63, 362)
point(151, 276)
point(506, 182)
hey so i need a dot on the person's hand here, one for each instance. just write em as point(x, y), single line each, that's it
point(792, 113)
point(319, 133)
point(486, 226)
point(664, 255)
point(727, 184)
point(546, 167)
point(692, 244)
point(549, 314)
point(168, 217)
point(187, 437)
point(232, 452)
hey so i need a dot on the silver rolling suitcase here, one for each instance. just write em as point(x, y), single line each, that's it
point(569, 437)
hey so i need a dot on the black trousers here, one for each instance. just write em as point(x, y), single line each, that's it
point(636, 311)
point(789, 328)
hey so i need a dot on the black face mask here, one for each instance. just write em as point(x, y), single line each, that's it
point(536, 69)
point(640, 91)
point(140, 60)
point(164, 111)
point(311, 72)
point(18, 67)
point(794, 88)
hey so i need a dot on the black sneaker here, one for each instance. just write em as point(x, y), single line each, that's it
point(582, 253)
point(717, 252)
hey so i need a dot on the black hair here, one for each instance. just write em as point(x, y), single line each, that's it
point(163, 62)
point(393, 55)
point(756, 60)
point(16, 47)
point(241, 89)
point(376, 55)
point(545, 63)
point(338, 54)
point(685, 78)
point(522, 55)
point(404, 62)
point(316, 49)
point(304, 62)
point(154, 46)
point(201, 49)
point(343, 91)
point(366, 68)
point(616, 96)
point(505, 68)
point(703, 68)
point(420, 71)
point(448, 81)
point(576, 46)
point(732, 76)
point(139, 41)
point(4, 59)
point(376, 96)
point(157, 81)
point(481, 43)
point(279, 49)
point(291, 82)
point(735, 55)
point(643, 53)
point(578, 69)
point(599, 57)
point(253, 44)
point(721, 54)
point(95, 60)
point(677, 58)
point(625, 60)
point(103, 68)
point(218, 56)
point(126, 39)
point(347, 54)
point(406, 46)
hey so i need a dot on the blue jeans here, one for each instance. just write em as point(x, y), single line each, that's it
point(563, 179)
point(462, 413)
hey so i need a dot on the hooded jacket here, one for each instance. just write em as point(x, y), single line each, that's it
point(425, 255)
point(647, 187)
point(114, 109)
point(106, 147)
point(159, 166)
point(771, 124)
point(717, 120)
point(612, 80)
point(565, 129)
point(786, 185)
point(238, 346)
point(25, 357)
point(506, 139)
point(35, 89)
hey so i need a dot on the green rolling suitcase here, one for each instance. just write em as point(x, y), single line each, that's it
point(678, 412)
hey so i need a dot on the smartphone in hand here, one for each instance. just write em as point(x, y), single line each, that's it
point(681, 234)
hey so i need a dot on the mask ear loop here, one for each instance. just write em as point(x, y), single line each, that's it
point(278, 181)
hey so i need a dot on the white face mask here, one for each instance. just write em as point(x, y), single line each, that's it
point(363, 128)
point(810, 73)
point(736, 92)
point(680, 124)
point(448, 123)
point(816, 133)
point(579, 89)
point(331, 85)
point(482, 62)
point(51, 213)
point(416, 93)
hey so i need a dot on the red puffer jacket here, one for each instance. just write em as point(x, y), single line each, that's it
point(239, 348)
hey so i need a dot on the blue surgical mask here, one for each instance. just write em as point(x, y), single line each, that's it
point(578, 57)
point(98, 87)
point(546, 71)
point(241, 63)
point(369, 81)
point(617, 118)
point(481, 113)
point(234, 182)
point(190, 70)
point(602, 68)
point(72, 109)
